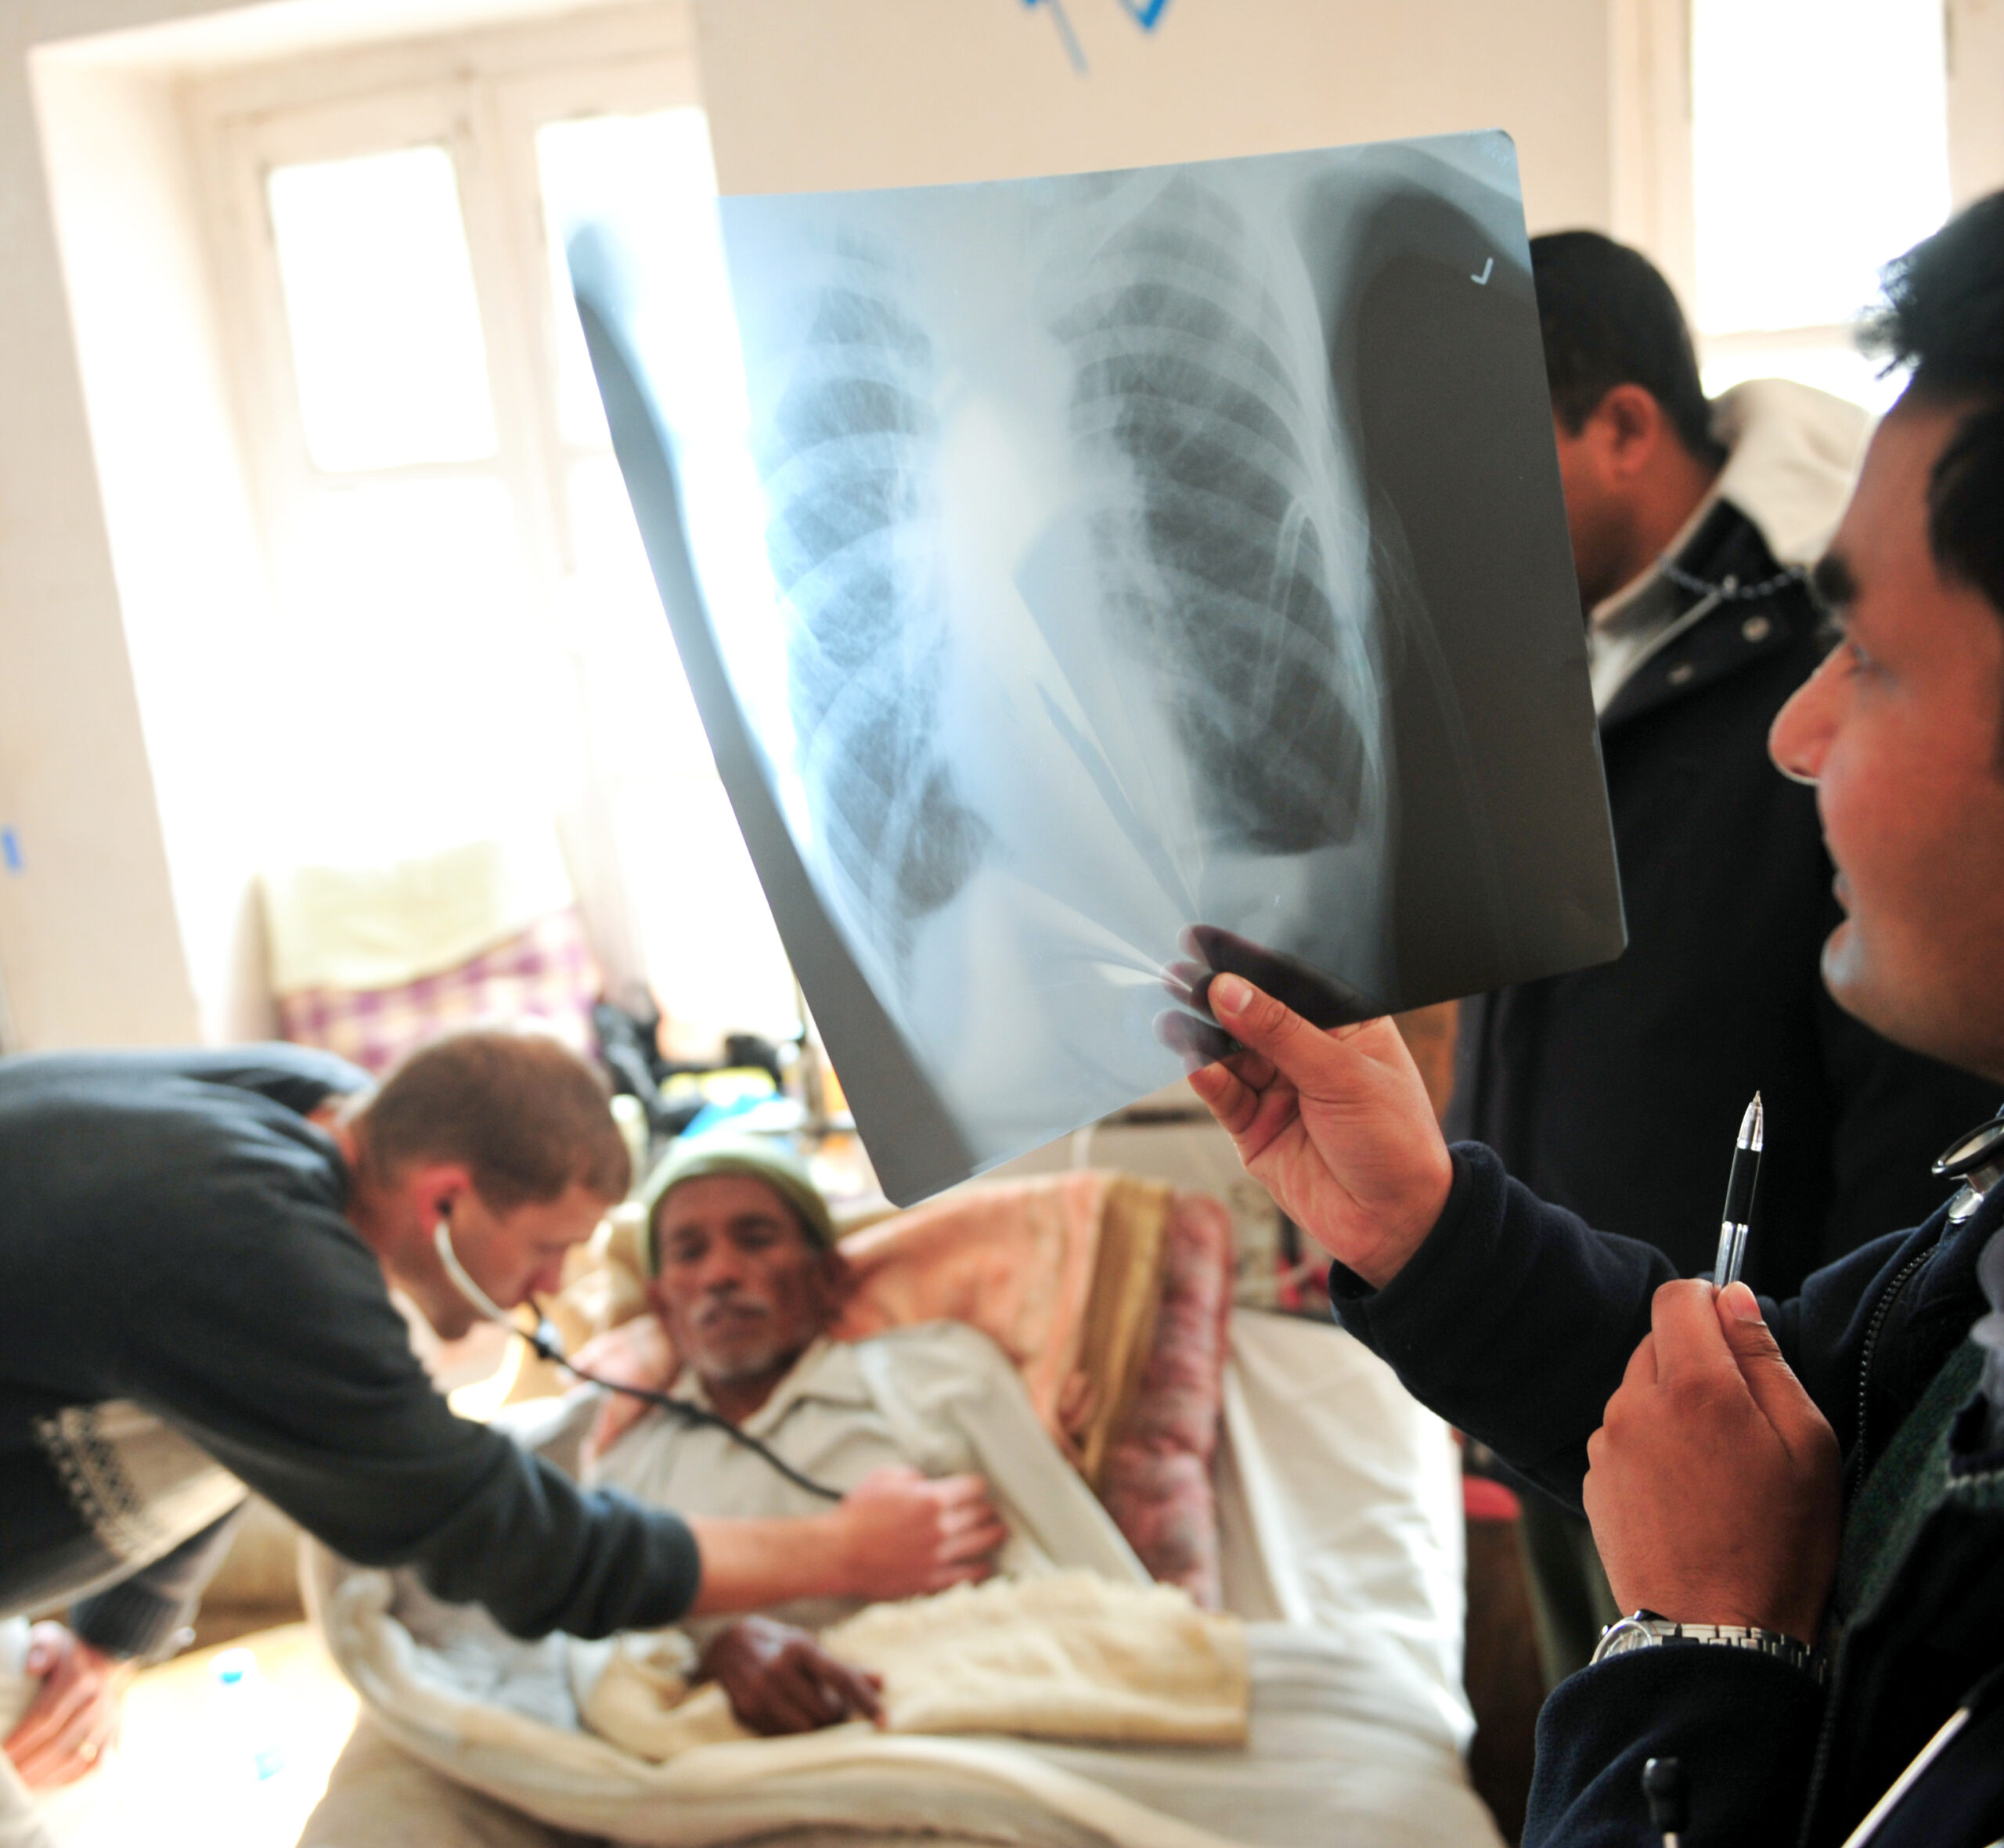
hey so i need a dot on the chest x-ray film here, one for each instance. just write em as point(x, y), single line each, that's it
point(1091, 583)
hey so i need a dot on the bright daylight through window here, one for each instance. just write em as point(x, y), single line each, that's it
point(473, 633)
point(379, 294)
point(1820, 148)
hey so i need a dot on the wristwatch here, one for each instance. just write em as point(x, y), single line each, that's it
point(1646, 1631)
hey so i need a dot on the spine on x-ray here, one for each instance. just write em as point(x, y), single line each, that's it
point(852, 483)
point(1212, 531)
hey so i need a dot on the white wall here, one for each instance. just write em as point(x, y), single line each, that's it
point(90, 946)
point(1976, 97)
point(805, 94)
point(185, 551)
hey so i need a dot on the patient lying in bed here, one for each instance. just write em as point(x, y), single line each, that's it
point(746, 1282)
point(1204, 1731)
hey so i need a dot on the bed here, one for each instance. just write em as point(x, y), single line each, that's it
point(1334, 1531)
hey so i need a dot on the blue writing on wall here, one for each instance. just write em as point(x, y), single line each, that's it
point(1144, 13)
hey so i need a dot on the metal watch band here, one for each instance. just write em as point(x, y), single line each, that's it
point(1646, 1631)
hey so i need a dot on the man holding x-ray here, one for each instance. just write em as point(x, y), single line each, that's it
point(1801, 1503)
point(197, 1246)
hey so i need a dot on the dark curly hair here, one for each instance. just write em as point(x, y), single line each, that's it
point(1943, 317)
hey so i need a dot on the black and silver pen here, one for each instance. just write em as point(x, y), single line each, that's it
point(1740, 1195)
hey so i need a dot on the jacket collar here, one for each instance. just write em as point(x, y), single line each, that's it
point(1793, 454)
point(1704, 637)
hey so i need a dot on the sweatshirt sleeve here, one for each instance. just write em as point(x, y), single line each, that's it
point(1514, 1319)
point(1743, 1726)
point(140, 1616)
point(263, 1331)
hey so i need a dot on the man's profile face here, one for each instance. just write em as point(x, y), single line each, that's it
point(1900, 731)
point(512, 1255)
point(741, 1288)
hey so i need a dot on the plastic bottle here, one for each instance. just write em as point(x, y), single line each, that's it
point(248, 1734)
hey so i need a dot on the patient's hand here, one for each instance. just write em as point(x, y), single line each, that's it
point(903, 1534)
point(780, 1680)
point(1714, 1491)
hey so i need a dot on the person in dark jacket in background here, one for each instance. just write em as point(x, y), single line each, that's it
point(1802, 1502)
point(1612, 1090)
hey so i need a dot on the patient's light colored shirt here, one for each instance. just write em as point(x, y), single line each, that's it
point(940, 1397)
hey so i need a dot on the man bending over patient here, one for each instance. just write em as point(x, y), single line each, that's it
point(746, 1282)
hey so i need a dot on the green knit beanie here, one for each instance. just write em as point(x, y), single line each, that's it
point(752, 1158)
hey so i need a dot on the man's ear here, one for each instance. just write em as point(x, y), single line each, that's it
point(435, 1189)
point(1631, 427)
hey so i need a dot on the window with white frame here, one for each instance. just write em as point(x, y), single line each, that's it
point(470, 638)
point(1819, 148)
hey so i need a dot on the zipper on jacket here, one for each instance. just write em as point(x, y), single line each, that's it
point(1826, 1733)
point(1859, 1460)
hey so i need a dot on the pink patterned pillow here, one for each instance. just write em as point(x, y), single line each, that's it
point(1156, 1481)
point(544, 973)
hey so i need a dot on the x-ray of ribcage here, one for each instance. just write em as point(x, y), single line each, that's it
point(852, 482)
point(1062, 551)
point(1215, 540)
point(1172, 718)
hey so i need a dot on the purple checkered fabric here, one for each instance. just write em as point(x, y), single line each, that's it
point(545, 974)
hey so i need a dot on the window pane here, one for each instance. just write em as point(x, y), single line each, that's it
point(714, 957)
point(1820, 151)
point(1837, 368)
point(616, 616)
point(712, 948)
point(379, 295)
point(430, 696)
point(611, 163)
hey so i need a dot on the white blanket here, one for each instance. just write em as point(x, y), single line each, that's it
point(1066, 1655)
point(1356, 1719)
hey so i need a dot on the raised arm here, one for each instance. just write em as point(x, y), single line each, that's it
point(1511, 1319)
point(1337, 1124)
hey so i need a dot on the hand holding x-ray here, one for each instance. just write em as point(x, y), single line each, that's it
point(1335, 1122)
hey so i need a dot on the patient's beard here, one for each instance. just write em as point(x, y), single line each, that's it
point(736, 1394)
point(739, 1375)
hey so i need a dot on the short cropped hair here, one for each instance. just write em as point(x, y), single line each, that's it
point(526, 1116)
point(1608, 318)
point(1944, 317)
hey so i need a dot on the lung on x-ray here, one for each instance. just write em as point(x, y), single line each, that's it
point(1089, 584)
